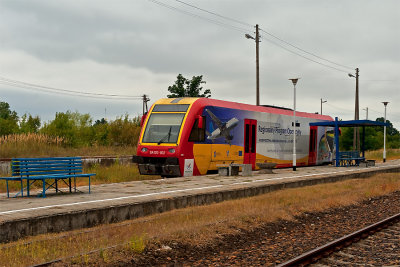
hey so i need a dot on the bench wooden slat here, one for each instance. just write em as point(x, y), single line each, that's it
point(46, 162)
point(10, 178)
point(27, 174)
point(35, 164)
point(55, 176)
point(16, 168)
point(46, 159)
point(47, 169)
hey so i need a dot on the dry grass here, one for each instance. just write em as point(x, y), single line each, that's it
point(40, 145)
point(378, 154)
point(117, 173)
point(30, 138)
point(23, 144)
point(196, 225)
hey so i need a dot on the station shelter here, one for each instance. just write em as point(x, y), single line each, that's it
point(348, 158)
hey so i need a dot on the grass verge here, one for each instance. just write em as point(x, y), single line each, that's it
point(195, 225)
point(40, 145)
point(117, 173)
point(49, 150)
point(378, 154)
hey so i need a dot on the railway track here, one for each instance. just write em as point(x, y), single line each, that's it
point(269, 245)
point(374, 245)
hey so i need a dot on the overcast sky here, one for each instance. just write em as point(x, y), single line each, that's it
point(137, 47)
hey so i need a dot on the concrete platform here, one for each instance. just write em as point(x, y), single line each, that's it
point(110, 203)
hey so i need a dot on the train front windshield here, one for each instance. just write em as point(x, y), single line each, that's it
point(163, 128)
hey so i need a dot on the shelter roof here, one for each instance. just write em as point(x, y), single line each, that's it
point(350, 123)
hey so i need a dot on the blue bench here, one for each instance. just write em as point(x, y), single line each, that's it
point(48, 170)
point(350, 158)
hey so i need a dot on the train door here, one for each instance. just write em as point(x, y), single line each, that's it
point(250, 137)
point(312, 157)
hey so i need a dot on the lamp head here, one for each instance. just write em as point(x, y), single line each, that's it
point(248, 36)
point(294, 80)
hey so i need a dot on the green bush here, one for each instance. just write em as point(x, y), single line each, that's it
point(373, 137)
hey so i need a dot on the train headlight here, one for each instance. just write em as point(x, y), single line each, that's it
point(171, 150)
point(144, 149)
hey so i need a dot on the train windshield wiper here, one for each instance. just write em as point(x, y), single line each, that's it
point(167, 136)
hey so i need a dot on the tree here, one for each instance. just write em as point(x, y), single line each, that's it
point(123, 131)
point(8, 119)
point(101, 132)
point(189, 88)
point(76, 128)
point(29, 124)
point(373, 137)
point(390, 129)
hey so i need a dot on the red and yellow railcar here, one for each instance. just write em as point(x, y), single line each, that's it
point(191, 136)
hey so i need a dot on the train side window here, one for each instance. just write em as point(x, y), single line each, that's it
point(253, 139)
point(198, 134)
point(247, 139)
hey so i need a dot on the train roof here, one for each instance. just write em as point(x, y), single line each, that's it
point(202, 101)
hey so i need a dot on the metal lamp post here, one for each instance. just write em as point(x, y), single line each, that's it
point(257, 39)
point(384, 134)
point(366, 116)
point(294, 81)
point(323, 101)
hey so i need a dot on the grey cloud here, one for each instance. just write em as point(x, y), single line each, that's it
point(140, 34)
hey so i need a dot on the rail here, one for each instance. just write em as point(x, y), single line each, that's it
point(322, 251)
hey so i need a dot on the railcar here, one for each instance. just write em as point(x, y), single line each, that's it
point(191, 136)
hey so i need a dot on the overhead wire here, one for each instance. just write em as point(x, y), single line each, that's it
point(25, 85)
point(336, 107)
point(244, 30)
point(310, 59)
point(305, 51)
point(215, 14)
point(37, 87)
point(199, 17)
point(379, 112)
point(68, 94)
point(392, 116)
point(382, 112)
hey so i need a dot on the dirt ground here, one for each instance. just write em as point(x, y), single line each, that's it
point(267, 245)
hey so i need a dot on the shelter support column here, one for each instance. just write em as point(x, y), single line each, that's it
point(336, 142)
point(363, 142)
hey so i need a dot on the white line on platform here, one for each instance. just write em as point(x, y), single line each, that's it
point(109, 199)
point(175, 191)
point(297, 176)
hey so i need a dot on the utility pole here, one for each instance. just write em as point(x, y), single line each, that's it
point(145, 100)
point(257, 39)
point(257, 67)
point(356, 137)
point(322, 101)
point(366, 109)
